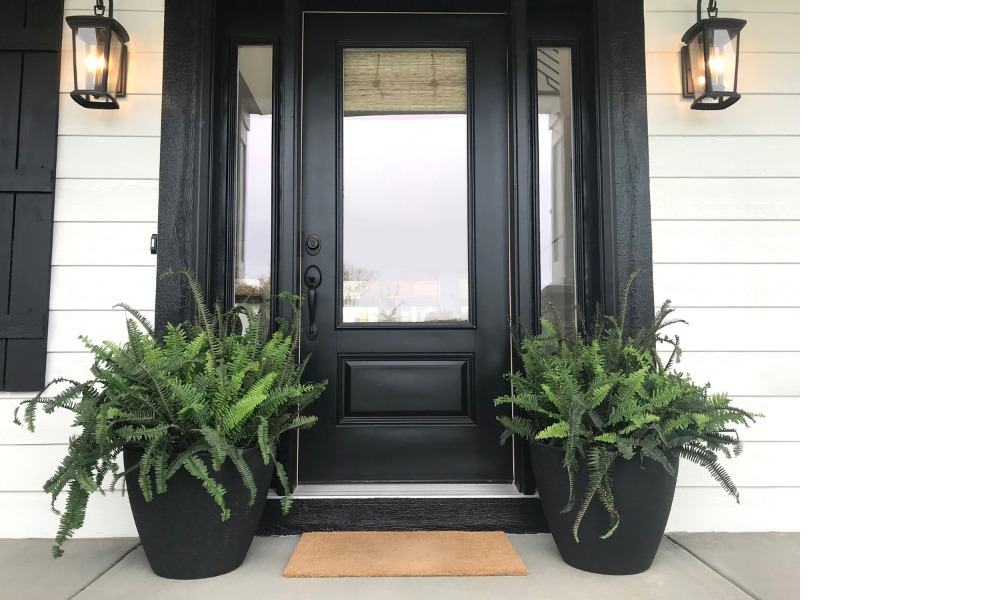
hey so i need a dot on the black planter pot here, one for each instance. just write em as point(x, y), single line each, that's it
point(182, 531)
point(643, 495)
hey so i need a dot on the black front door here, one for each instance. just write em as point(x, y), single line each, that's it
point(405, 246)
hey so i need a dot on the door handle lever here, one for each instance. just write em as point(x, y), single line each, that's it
point(313, 279)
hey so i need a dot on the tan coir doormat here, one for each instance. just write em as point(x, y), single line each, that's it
point(404, 554)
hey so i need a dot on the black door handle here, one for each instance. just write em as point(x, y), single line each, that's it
point(313, 279)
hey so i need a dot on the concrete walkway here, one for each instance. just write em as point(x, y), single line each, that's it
point(692, 566)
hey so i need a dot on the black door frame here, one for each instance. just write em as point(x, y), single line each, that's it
point(616, 213)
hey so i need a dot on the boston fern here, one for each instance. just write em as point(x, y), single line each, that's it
point(600, 397)
point(189, 399)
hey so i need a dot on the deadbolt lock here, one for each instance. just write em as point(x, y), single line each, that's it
point(313, 245)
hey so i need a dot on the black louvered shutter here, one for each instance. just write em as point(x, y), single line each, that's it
point(30, 38)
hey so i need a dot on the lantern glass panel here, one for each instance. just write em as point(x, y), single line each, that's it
point(115, 66)
point(91, 64)
point(696, 54)
point(723, 46)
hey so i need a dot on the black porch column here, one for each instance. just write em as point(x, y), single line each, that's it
point(624, 157)
point(186, 132)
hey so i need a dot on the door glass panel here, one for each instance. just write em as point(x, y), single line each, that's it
point(557, 186)
point(406, 186)
point(252, 186)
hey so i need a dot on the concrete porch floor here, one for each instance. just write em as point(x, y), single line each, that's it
point(689, 566)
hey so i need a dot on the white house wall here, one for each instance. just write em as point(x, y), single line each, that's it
point(725, 223)
point(725, 206)
point(107, 171)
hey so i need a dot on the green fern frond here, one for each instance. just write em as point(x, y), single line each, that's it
point(709, 461)
point(264, 440)
point(559, 430)
point(196, 467)
point(599, 463)
point(244, 470)
point(138, 316)
point(516, 425)
point(245, 406)
point(606, 494)
point(286, 494)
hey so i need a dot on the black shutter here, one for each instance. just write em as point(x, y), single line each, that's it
point(30, 38)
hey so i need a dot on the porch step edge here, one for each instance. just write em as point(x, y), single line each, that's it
point(521, 514)
point(404, 490)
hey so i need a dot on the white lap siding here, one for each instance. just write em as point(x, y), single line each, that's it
point(105, 212)
point(725, 206)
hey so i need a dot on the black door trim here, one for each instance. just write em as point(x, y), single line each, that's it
point(624, 226)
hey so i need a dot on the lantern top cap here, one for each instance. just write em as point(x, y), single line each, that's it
point(85, 21)
point(713, 23)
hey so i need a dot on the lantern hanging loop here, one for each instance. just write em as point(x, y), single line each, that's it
point(99, 8)
point(713, 9)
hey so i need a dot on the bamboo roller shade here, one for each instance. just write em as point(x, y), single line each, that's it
point(404, 81)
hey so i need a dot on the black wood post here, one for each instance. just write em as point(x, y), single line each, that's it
point(624, 157)
point(184, 230)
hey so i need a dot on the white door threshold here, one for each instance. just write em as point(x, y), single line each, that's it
point(405, 490)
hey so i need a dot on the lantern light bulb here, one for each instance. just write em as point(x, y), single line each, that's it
point(95, 63)
point(717, 71)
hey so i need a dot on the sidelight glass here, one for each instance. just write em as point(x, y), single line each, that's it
point(557, 185)
point(406, 186)
point(252, 185)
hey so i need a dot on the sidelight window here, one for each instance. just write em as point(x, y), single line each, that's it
point(556, 185)
point(252, 177)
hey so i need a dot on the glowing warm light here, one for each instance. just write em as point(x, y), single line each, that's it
point(717, 71)
point(94, 63)
point(701, 80)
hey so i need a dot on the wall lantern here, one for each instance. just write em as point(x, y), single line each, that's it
point(100, 58)
point(710, 60)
